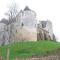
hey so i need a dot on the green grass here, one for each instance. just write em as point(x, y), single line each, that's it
point(29, 49)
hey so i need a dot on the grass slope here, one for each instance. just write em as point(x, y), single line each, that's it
point(29, 49)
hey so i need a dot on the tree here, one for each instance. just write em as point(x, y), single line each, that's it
point(3, 40)
point(12, 11)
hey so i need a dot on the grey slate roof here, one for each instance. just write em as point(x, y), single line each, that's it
point(26, 8)
point(5, 21)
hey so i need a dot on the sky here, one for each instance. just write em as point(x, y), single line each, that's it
point(45, 10)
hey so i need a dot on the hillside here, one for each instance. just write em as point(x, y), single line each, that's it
point(29, 49)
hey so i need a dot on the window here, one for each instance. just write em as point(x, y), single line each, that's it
point(22, 24)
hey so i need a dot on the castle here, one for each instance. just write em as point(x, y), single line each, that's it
point(24, 27)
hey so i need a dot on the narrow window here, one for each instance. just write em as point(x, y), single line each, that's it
point(22, 24)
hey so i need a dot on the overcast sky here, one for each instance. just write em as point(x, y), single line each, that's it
point(45, 9)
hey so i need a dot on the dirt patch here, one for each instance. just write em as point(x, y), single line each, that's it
point(52, 57)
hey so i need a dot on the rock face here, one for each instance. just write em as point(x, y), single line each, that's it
point(43, 35)
point(45, 31)
point(24, 27)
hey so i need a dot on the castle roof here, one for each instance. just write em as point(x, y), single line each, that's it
point(26, 8)
point(5, 21)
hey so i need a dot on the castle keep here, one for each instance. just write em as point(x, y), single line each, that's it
point(24, 27)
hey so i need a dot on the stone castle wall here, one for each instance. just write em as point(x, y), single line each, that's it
point(24, 27)
point(26, 34)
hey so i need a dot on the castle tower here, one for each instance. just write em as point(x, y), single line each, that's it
point(28, 24)
point(29, 18)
